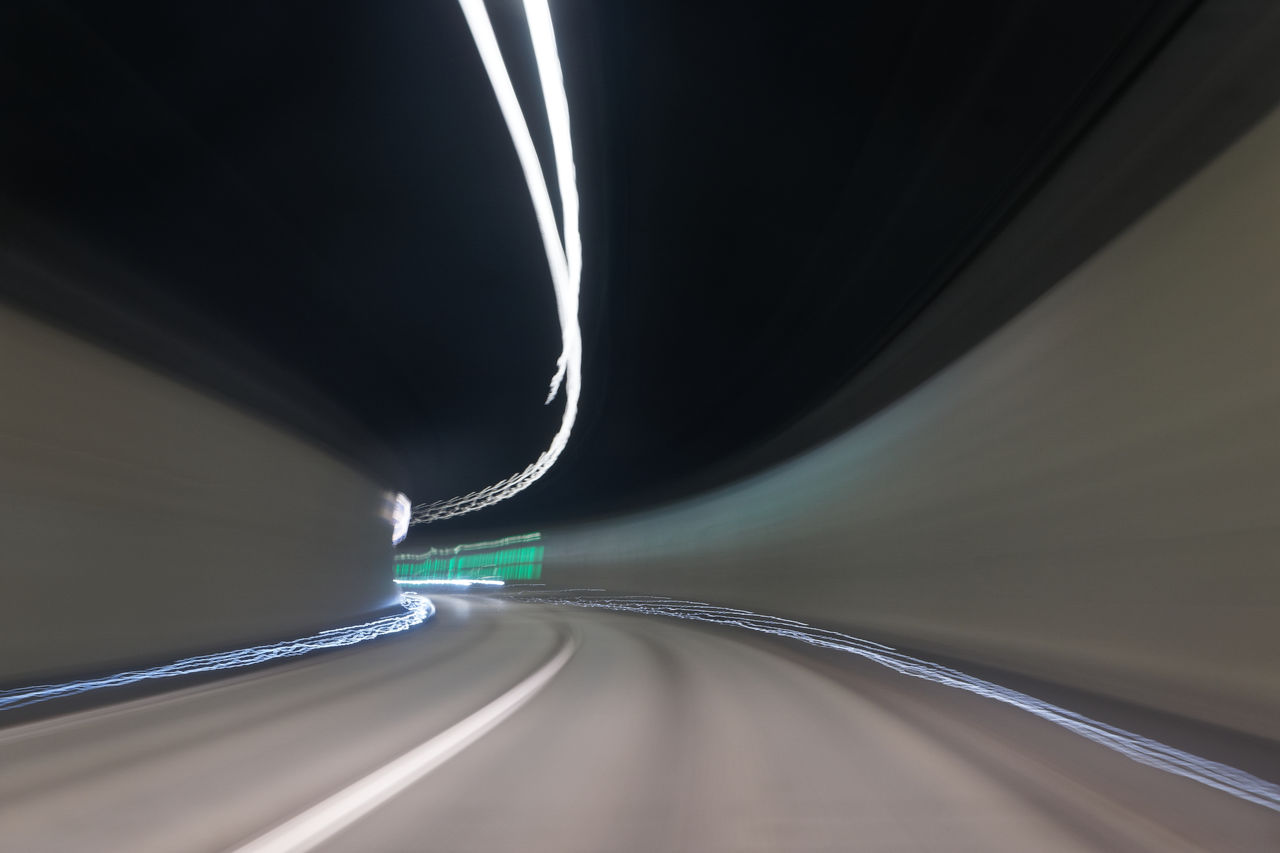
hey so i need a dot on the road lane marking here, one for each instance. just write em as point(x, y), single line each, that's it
point(329, 817)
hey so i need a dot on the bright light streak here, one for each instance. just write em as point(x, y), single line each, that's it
point(399, 513)
point(1152, 753)
point(543, 36)
point(512, 558)
point(488, 545)
point(328, 817)
point(463, 582)
point(417, 609)
point(564, 255)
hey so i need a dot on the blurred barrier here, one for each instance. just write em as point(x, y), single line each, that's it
point(1091, 496)
point(141, 520)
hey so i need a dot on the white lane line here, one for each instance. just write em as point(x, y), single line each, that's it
point(329, 817)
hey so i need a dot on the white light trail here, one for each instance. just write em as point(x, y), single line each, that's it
point(462, 582)
point(417, 609)
point(564, 255)
point(490, 545)
point(1144, 750)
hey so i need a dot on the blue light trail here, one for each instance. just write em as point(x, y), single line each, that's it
point(417, 609)
point(1144, 750)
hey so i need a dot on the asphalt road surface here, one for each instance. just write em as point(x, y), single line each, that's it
point(503, 725)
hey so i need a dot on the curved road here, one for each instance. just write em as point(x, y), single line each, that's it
point(655, 735)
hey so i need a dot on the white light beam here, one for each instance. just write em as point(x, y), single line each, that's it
point(564, 259)
point(416, 610)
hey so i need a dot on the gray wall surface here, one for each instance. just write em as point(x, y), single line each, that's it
point(1092, 495)
point(140, 519)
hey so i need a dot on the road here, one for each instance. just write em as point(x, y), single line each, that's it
point(654, 735)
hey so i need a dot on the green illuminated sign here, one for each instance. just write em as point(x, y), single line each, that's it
point(512, 558)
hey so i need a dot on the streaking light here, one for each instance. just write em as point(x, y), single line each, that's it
point(564, 255)
point(417, 609)
point(462, 582)
point(512, 558)
point(399, 512)
point(487, 545)
point(1152, 753)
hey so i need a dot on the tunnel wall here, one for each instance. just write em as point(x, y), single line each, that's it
point(140, 519)
point(1092, 495)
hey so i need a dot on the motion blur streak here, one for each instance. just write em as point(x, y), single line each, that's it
point(564, 260)
point(513, 558)
point(1143, 750)
point(401, 515)
point(397, 510)
point(463, 582)
point(326, 819)
point(417, 609)
point(543, 36)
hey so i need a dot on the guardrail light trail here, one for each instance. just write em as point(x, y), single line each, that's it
point(417, 609)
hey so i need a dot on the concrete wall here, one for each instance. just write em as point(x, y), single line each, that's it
point(1092, 495)
point(140, 519)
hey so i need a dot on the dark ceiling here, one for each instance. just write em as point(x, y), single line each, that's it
point(315, 210)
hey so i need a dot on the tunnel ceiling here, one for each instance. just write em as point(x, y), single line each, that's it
point(315, 209)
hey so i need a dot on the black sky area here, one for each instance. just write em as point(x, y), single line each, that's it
point(315, 210)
